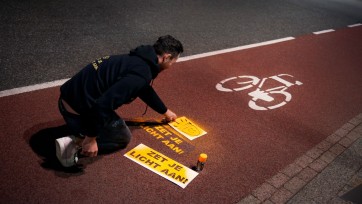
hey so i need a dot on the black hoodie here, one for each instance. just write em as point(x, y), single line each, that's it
point(109, 82)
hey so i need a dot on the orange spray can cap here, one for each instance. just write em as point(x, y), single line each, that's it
point(203, 157)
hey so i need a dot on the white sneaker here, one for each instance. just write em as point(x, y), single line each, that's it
point(66, 151)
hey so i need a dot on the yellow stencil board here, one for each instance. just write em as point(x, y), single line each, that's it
point(187, 128)
point(161, 165)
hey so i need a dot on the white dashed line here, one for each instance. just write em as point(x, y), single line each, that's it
point(354, 25)
point(182, 59)
point(60, 82)
point(323, 31)
point(32, 88)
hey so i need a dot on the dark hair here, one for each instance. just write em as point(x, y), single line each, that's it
point(168, 44)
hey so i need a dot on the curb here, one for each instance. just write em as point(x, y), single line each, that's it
point(286, 183)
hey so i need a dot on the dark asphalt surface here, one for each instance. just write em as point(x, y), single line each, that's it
point(245, 147)
point(43, 41)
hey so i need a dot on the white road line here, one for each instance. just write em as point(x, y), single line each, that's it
point(354, 25)
point(32, 88)
point(323, 31)
point(207, 54)
point(182, 59)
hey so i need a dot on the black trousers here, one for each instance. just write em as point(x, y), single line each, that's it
point(114, 136)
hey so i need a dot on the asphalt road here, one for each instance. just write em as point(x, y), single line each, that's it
point(43, 40)
point(304, 90)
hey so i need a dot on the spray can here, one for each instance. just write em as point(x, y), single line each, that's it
point(201, 162)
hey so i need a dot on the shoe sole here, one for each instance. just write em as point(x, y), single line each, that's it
point(59, 146)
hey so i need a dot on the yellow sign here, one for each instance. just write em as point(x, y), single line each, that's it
point(169, 138)
point(187, 128)
point(161, 165)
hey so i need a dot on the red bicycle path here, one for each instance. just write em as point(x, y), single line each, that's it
point(245, 146)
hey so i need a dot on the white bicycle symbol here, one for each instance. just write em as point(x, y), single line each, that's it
point(261, 99)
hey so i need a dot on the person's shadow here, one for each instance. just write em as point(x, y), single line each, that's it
point(41, 139)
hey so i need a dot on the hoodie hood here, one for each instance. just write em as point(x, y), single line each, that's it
point(148, 54)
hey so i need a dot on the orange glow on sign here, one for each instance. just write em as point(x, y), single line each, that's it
point(187, 128)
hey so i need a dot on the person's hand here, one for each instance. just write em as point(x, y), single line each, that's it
point(89, 147)
point(170, 116)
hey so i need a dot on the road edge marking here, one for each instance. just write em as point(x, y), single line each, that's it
point(244, 47)
point(323, 31)
point(355, 25)
point(45, 85)
point(30, 88)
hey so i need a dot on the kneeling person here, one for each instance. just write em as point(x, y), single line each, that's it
point(89, 99)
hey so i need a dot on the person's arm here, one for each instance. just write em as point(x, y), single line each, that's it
point(117, 95)
point(150, 97)
point(104, 108)
point(170, 116)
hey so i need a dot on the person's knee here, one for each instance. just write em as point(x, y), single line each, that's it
point(124, 141)
point(116, 136)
